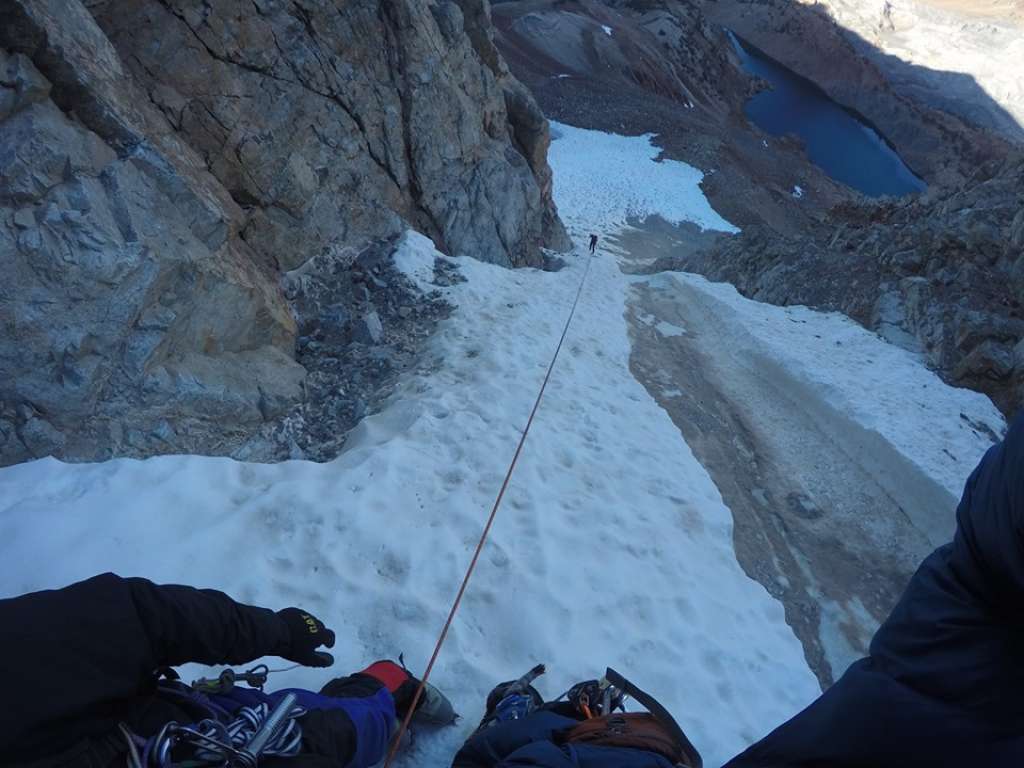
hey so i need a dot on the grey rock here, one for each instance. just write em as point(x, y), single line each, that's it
point(449, 20)
point(910, 261)
point(358, 409)
point(21, 84)
point(1016, 233)
point(990, 359)
point(41, 438)
point(1018, 357)
point(24, 219)
point(334, 321)
point(420, 138)
point(368, 329)
point(553, 263)
point(346, 378)
point(118, 262)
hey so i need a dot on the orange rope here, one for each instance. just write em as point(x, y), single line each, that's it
point(483, 537)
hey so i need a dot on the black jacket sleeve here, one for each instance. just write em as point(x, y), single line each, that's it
point(185, 624)
point(78, 658)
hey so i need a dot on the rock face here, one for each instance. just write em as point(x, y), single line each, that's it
point(329, 128)
point(162, 164)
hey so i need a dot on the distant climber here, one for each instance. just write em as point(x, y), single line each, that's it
point(887, 17)
point(586, 727)
point(942, 684)
point(87, 680)
point(593, 243)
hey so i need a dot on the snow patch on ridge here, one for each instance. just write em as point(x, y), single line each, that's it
point(602, 178)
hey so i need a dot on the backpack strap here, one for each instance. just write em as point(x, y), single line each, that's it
point(664, 717)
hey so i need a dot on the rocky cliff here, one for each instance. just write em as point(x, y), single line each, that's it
point(165, 163)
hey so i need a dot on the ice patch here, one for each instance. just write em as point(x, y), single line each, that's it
point(607, 30)
point(667, 329)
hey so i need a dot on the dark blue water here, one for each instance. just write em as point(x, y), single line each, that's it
point(847, 149)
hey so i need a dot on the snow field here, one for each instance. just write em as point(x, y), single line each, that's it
point(612, 547)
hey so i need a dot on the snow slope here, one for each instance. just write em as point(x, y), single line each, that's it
point(613, 546)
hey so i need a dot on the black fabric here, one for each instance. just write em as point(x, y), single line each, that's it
point(489, 747)
point(944, 682)
point(535, 741)
point(80, 659)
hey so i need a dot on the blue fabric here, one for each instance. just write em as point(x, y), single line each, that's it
point(515, 706)
point(372, 716)
point(550, 755)
point(944, 679)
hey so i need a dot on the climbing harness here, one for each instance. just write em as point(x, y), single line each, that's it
point(404, 725)
point(237, 739)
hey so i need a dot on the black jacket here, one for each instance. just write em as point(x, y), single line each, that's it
point(533, 741)
point(77, 661)
point(944, 682)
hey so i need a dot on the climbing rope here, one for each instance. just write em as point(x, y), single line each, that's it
point(404, 726)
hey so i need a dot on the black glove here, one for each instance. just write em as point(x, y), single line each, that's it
point(307, 634)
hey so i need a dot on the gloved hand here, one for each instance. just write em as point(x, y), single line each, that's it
point(307, 634)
